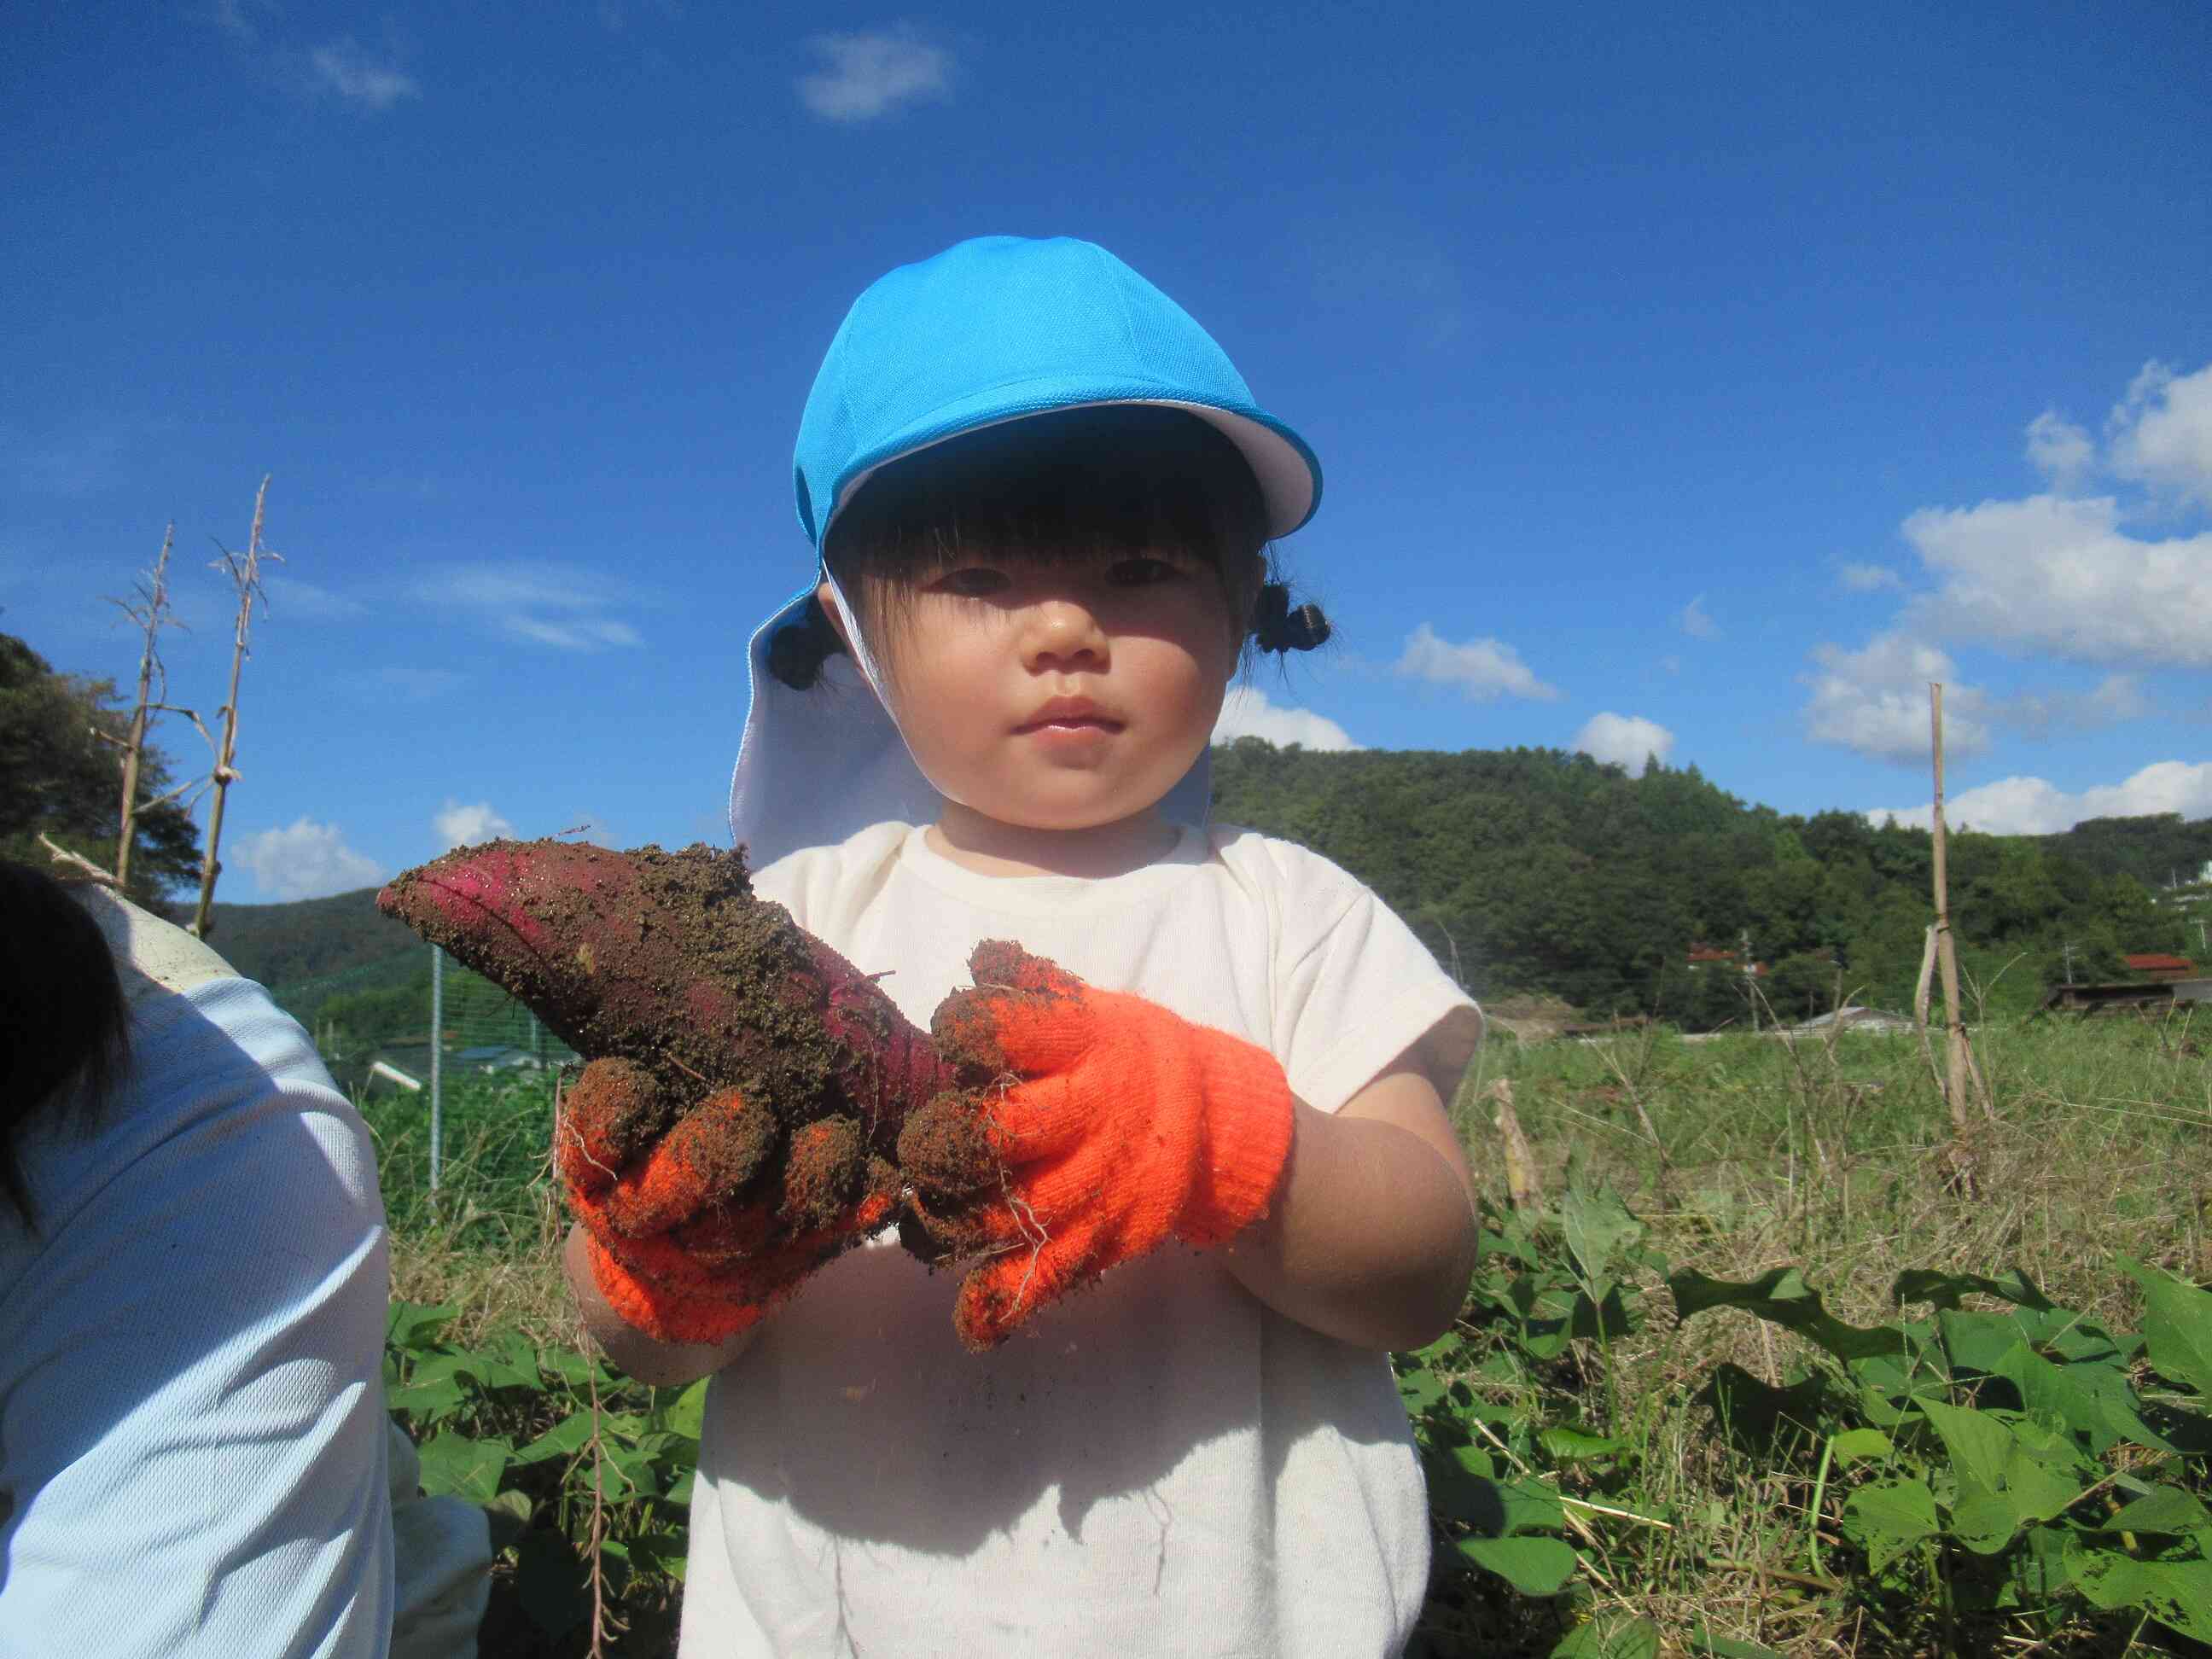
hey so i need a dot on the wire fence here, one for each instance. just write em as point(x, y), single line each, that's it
point(416, 1025)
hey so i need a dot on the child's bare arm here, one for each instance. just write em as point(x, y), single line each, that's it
point(660, 1365)
point(1372, 1237)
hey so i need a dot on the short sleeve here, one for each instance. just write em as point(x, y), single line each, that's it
point(1355, 988)
point(192, 1436)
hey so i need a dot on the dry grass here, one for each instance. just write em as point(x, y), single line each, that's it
point(519, 1289)
point(1746, 1154)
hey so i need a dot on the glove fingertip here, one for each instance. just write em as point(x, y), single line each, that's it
point(665, 1313)
point(984, 1316)
point(997, 1298)
point(607, 1116)
point(824, 1162)
point(1001, 964)
point(945, 1149)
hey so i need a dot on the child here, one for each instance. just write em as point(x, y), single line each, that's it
point(1041, 497)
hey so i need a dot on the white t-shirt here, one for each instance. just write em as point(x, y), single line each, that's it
point(1157, 1464)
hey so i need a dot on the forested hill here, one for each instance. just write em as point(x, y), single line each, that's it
point(2156, 851)
point(283, 944)
point(1536, 870)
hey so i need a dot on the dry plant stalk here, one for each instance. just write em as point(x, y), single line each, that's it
point(61, 855)
point(244, 572)
point(1957, 1059)
point(1522, 1189)
point(599, 1518)
point(151, 613)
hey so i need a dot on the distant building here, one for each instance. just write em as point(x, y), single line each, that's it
point(498, 1057)
point(2158, 965)
point(1713, 956)
point(1852, 1017)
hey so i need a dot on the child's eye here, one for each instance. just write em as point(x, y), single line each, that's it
point(1141, 572)
point(974, 581)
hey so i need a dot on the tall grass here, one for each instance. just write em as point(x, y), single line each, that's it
point(489, 1240)
point(1826, 1153)
point(1827, 1156)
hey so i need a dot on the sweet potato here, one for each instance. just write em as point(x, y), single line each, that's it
point(667, 961)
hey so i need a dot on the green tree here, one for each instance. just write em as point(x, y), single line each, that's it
point(1800, 986)
point(59, 778)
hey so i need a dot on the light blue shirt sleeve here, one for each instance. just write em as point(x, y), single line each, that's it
point(192, 1441)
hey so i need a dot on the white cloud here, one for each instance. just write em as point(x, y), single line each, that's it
point(2116, 697)
point(1874, 700)
point(456, 825)
point(587, 633)
point(1671, 663)
point(545, 605)
point(2061, 450)
point(415, 684)
point(2032, 806)
point(2058, 574)
point(2161, 434)
point(616, 13)
point(237, 18)
point(1482, 669)
point(1628, 740)
point(1246, 713)
point(344, 67)
point(1696, 622)
point(1868, 578)
point(866, 76)
point(307, 860)
point(289, 596)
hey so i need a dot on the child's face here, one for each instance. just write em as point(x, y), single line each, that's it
point(1060, 697)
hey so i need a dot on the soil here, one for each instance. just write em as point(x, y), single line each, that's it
point(945, 1149)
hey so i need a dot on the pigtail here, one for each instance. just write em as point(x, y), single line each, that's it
point(1280, 626)
point(797, 651)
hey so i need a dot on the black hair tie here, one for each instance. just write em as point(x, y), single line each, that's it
point(797, 651)
point(1281, 626)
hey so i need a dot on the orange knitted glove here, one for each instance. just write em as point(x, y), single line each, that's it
point(695, 1234)
point(1113, 1126)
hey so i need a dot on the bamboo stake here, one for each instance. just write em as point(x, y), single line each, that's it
point(1920, 1005)
point(245, 571)
point(1522, 1189)
point(1954, 1025)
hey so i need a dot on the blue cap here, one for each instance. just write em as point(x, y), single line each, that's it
point(999, 328)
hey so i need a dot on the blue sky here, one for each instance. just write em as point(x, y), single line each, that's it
point(1695, 380)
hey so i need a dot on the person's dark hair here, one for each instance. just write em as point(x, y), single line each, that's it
point(1096, 483)
point(63, 1025)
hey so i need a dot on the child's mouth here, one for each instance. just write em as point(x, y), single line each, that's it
point(1069, 715)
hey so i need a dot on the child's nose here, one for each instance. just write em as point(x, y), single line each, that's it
point(1063, 631)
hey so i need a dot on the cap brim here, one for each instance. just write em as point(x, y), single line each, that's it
point(1288, 472)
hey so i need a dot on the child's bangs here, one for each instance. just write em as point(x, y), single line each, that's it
point(1087, 485)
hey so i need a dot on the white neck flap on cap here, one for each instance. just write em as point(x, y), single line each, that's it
point(817, 766)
